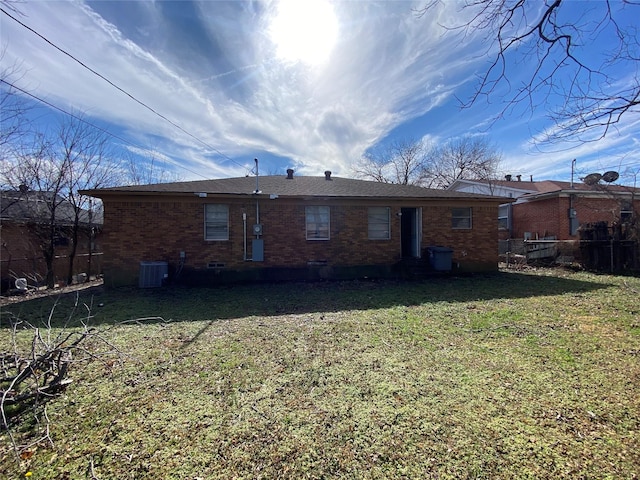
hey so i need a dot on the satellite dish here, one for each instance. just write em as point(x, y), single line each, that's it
point(610, 176)
point(592, 178)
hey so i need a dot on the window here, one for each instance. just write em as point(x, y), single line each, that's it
point(626, 211)
point(379, 226)
point(317, 219)
point(216, 222)
point(461, 218)
point(503, 217)
point(60, 241)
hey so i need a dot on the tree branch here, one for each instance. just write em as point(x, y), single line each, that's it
point(564, 60)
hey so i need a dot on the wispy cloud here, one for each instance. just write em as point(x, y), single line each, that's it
point(211, 68)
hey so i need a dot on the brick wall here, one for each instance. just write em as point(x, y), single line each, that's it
point(159, 228)
point(540, 217)
point(473, 249)
point(549, 217)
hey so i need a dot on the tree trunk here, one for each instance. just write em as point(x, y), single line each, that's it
point(50, 277)
point(49, 252)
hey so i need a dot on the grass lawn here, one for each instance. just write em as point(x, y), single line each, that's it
point(512, 375)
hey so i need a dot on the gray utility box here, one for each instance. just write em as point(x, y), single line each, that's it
point(440, 258)
point(153, 274)
point(257, 249)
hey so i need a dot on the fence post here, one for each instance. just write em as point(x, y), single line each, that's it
point(611, 253)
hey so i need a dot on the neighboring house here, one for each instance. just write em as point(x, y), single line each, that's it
point(290, 227)
point(24, 230)
point(553, 209)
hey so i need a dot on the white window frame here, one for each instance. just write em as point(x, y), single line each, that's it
point(216, 219)
point(314, 222)
point(379, 223)
point(461, 218)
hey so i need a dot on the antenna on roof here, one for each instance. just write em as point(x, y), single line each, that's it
point(257, 175)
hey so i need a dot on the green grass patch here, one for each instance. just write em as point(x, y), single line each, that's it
point(513, 375)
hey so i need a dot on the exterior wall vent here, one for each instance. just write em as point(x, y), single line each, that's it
point(152, 274)
point(317, 263)
point(215, 265)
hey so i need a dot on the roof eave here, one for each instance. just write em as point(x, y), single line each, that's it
point(204, 194)
point(569, 192)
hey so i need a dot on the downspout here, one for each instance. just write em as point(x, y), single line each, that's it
point(399, 214)
point(257, 211)
point(244, 229)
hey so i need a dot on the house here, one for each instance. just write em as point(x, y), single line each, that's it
point(554, 209)
point(25, 220)
point(289, 227)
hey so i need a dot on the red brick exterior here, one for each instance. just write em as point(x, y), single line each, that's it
point(550, 216)
point(160, 227)
point(21, 256)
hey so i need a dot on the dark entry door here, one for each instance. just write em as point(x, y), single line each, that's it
point(410, 232)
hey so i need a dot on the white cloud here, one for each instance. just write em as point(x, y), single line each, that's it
point(384, 70)
point(224, 84)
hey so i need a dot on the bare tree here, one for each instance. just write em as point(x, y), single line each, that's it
point(36, 168)
point(466, 157)
point(13, 107)
point(85, 152)
point(48, 173)
point(561, 43)
point(410, 162)
point(403, 162)
point(146, 171)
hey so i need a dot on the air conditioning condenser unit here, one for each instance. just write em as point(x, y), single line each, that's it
point(153, 274)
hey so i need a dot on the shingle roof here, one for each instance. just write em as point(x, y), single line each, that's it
point(298, 186)
point(35, 207)
point(548, 186)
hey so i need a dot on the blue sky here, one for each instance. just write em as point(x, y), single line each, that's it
point(308, 88)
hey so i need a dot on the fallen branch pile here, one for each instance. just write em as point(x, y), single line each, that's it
point(37, 377)
point(38, 368)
